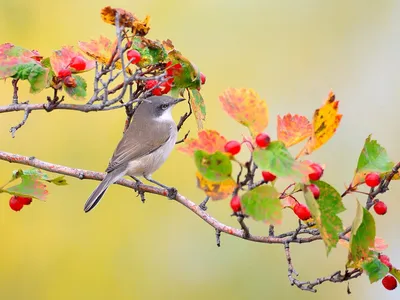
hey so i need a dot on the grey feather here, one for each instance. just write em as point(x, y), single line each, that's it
point(98, 193)
point(139, 141)
point(144, 147)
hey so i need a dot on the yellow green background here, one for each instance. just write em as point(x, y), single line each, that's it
point(292, 53)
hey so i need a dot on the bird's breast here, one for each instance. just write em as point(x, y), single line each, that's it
point(148, 164)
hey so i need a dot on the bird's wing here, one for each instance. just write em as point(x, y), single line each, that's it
point(137, 143)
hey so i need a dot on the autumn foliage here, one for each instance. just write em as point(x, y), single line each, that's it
point(226, 169)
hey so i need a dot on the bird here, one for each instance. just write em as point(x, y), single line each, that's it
point(144, 147)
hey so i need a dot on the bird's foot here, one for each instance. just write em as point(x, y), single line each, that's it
point(136, 186)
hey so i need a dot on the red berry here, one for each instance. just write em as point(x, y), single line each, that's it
point(78, 63)
point(380, 207)
point(233, 147)
point(24, 200)
point(389, 282)
point(70, 81)
point(166, 85)
point(318, 171)
point(15, 204)
point(263, 140)
point(372, 179)
point(386, 261)
point(235, 204)
point(151, 84)
point(315, 190)
point(302, 211)
point(202, 78)
point(64, 73)
point(267, 176)
point(133, 56)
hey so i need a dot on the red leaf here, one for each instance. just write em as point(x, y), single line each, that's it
point(61, 59)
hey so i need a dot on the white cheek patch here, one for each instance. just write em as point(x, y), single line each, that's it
point(167, 115)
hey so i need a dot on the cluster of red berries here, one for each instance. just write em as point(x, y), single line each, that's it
point(17, 202)
point(300, 210)
point(165, 87)
point(77, 63)
point(389, 282)
point(373, 180)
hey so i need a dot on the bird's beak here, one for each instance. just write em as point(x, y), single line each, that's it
point(179, 100)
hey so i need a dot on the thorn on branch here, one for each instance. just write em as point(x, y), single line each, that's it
point(271, 230)
point(14, 129)
point(203, 205)
point(218, 237)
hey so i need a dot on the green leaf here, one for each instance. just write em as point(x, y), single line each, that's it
point(324, 211)
point(263, 204)
point(151, 52)
point(198, 107)
point(35, 74)
point(60, 180)
point(214, 167)
point(375, 269)
point(189, 74)
point(20, 63)
point(46, 63)
point(362, 236)
point(277, 159)
point(396, 273)
point(30, 186)
point(373, 158)
point(78, 92)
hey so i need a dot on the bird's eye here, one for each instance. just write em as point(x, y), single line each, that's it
point(164, 106)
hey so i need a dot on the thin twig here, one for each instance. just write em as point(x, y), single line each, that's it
point(14, 129)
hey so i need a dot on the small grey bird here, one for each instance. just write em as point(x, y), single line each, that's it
point(145, 146)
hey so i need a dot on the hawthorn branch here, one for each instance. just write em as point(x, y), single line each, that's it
point(193, 207)
point(303, 234)
point(336, 277)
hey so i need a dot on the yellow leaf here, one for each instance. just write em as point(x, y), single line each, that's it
point(247, 108)
point(325, 122)
point(126, 19)
point(215, 190)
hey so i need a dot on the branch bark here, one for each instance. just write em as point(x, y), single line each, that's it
point(196, 209)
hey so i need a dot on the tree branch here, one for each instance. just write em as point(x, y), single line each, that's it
point(196, 209)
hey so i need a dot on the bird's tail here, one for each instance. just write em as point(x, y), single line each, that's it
point(98, 193)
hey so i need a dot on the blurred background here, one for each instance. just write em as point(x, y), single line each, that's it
point(292, 53)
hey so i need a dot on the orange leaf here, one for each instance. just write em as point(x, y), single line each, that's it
point(325, 122)
point(101, 50)
point(62, 58)
point(126, 19)
point(209, 141)
point(246, 107)
point(293, 129)
point(215, 190)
